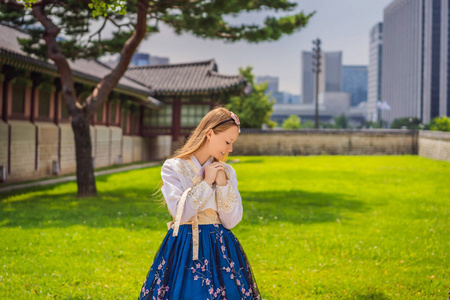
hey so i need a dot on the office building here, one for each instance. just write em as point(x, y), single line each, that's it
point(330, 77)
point(374, 71)
point(354, 82)
point(415, 65)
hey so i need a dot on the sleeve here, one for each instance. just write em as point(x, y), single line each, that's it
point(172, 190)
point(229, 202)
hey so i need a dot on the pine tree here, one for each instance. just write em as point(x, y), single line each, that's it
point(255, 108)
point(134, 20)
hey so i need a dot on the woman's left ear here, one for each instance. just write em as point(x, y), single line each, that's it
point(209, 134)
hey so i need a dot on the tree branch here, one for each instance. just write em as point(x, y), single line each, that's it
point(97, 33)
point(118, 25)
point(106, 85)
point(171, 3)
point(54, 53)
point(227, 35)
point(22, 5)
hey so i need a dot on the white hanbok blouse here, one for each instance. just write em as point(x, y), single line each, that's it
point(178, 175)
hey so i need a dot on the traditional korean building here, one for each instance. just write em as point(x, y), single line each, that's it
point(147, 115)
point(188, 90)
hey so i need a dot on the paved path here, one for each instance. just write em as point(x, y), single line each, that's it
point(72, 178)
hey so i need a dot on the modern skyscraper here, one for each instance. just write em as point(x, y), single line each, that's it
point(444, 83)
point(374, 71)
point(145, 59)
point(158, 60)
point(272, 83)
point(307, 78)
point(354, 82)
point(415, 69)
point(330, 77)
point(140, 59)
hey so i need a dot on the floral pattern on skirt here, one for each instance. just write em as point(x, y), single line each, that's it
point(222, 271)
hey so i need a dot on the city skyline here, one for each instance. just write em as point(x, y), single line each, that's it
point(343, 26)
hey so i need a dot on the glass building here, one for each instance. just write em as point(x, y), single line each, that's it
point(374, 71)
point(415, 69)
point(354, 82)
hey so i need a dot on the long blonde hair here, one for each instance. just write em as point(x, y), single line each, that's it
point(197, 139)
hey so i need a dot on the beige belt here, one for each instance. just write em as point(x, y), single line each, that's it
point(208, 216)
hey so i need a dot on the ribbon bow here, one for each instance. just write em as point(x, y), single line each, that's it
point(176, 225)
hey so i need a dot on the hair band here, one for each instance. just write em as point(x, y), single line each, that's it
point(233, 118)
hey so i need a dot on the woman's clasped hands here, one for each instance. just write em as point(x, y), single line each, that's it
point(215, 173)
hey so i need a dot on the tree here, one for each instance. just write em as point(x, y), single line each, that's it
point(409, 123)
point(134, 20)
point(440, 124)
point(341, 121)
point(253, 109)
point(293, 122)
point(307, 124)
point(371, 124)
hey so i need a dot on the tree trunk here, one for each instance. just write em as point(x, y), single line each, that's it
point(83, 153)
point(81, 113)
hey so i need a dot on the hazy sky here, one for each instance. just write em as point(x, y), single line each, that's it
point(340, 24)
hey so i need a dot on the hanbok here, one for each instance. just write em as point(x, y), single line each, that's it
point(200, 258)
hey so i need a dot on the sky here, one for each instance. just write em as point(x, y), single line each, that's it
point(341, 25)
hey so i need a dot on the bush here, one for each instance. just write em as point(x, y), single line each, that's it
point(369, 124)
point(440, 124)
point(272, 124)
point(341, 121)
point(410, 123)
point(307, 124)
point(293, 122)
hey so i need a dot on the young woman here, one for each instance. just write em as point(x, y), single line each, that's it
point(200, 258)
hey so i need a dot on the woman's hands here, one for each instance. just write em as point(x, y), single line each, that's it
point(221, 178)
point(215, 173)
point(211, 171)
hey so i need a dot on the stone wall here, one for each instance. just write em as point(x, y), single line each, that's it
point(35, 147)
point(132, 150)
point(4, 128)
point(115, 149)
point(160, 147)
point(23, 143)
point(67, 163)
point(101, 136)
point(326, 141)
point(55, 143)
point(48, 134)
point(434, 144)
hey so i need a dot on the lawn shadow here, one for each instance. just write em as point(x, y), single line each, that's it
point(53, 206)
point(298, 206)
point(135, 206)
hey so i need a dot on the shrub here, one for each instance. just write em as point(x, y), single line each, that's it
point(440, 124)
point(410, 123)
point(293, 122)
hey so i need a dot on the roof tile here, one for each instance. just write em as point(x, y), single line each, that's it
point(191, 77)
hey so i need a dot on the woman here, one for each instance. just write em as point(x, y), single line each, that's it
point(200, 258)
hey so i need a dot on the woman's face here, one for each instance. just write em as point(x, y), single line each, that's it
point(222, 142)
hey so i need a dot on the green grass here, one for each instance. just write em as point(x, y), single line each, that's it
point(314, 227)
point(112, 167)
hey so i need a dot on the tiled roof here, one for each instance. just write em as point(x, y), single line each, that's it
point(185, 78)
point(87, 70)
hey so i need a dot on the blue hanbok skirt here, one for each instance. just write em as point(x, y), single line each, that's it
point(222, 271)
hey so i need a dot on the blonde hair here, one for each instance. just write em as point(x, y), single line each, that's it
point(197, 139)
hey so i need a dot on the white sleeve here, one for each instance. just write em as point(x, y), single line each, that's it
point(172, 190)
point(229, 202)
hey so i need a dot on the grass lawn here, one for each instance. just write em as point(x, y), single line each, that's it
point(314, 227)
